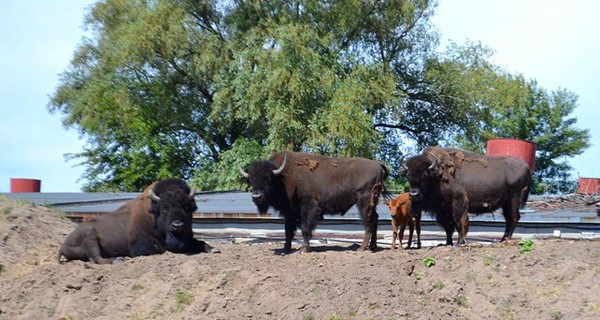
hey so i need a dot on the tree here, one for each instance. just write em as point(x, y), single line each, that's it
point(190, 88)
point(517, 108)
point(166, 87)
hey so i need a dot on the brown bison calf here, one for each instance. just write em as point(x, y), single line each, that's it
point(400, 212)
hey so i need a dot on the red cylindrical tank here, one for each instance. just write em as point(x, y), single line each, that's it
point(522, 149)
point(588, 186)
point(25, 185)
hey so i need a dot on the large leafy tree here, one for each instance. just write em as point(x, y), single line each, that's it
point(518, 108)
point(192, 88)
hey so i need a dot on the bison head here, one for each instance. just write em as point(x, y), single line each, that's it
point(173, 205)
point(264, 178)
point(421, 173)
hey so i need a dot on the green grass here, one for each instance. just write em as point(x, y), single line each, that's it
point(461, 300)
point(137, 287)
point(429, 262)
point(556, 315)
point(525, 245)
point(488, 259)
point(438, 285)
point(182, 298)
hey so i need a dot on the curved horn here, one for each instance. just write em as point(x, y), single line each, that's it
point(435, 160)
point(280, 169)
point(153, 196)
point(242, 172)
point(192, 193)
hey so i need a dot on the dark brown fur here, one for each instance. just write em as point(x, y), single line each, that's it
point(462, 181)
point(313, 185)
point(139, 227)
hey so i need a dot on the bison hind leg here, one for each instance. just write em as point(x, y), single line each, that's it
point(310, 218)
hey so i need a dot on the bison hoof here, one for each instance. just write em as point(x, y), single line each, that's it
point(304, 250)
point(214, 250)
point(118, 260)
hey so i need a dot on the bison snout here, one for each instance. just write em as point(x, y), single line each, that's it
point(258, 196)
point(415, 195)
point(177, 226)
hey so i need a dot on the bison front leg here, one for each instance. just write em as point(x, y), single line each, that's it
point(411, 231)
point(395, 233)
point(290, 231)
point(445, 221)
point(401, 235)
point(418, 227)
point(199, 246)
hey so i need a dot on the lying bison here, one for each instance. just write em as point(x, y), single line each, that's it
point(450, 182)
point(159, 219)
point(303, 187)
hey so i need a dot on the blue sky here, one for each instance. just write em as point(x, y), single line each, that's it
point(555, 42)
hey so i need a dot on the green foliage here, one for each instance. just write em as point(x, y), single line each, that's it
point(224, 174)
point(461, 300)
point(525, 245)
point(183, 297)
point(520, 109)
point(429, 262)
point(488, 259)
point(557, 315)
point(438, 285)
point(180, 88)
point(7, 210)
point(137, 287)
point(417, 275)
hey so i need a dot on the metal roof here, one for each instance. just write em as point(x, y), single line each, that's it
point(238, 204)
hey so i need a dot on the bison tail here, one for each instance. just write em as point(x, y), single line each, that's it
point(385, 194)
point(525, 194)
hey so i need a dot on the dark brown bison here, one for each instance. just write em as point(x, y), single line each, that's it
point(402, 217)
point(159, 219)
point(303, 187)
point(450, 182)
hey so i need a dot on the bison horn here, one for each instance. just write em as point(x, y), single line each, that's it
point(242, 172)
point(192, 193)
point(435, 160)
point(280, 169)
point(153, 196)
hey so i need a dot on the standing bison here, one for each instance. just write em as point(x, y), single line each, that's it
point(159, 219)
point(303, 187)
point(400, 218)
point(450, 182)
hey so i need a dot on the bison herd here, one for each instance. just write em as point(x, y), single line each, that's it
point(303, 187)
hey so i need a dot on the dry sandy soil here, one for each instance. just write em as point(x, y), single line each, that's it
point(558, 279)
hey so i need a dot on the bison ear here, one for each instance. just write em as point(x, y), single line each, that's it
point(154, 208)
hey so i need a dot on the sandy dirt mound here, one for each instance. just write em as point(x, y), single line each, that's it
point(558, 279)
